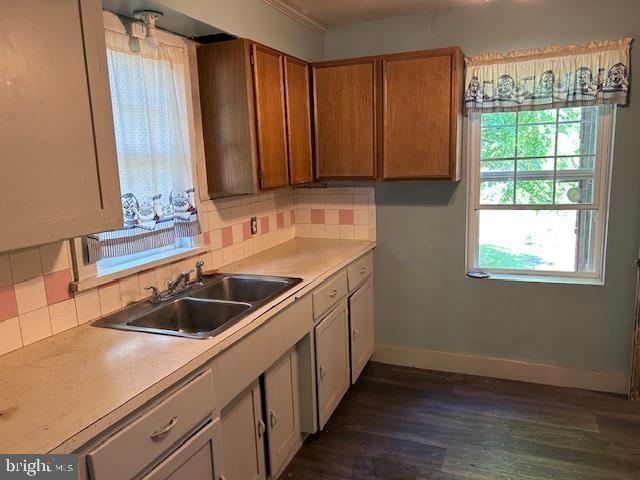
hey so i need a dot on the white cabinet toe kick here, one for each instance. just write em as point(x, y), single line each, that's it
point(245, 414)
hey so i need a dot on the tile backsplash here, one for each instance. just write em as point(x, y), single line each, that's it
point(336, 212)
point(35, 300)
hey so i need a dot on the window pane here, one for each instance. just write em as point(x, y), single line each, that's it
point(552, 240)
point(490, 166)
point(496, 192)
point(498, 142)
point(576, 163)
point(537, 116)
point(584, 114)
point(536, 165)
point(502, 118)
point(534, 192)
point(576, 138)
point(536, 140)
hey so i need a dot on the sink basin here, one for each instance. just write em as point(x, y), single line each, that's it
point(243, 288)
point(189, 315)
point(202, 311)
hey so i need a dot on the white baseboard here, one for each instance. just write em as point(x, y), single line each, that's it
point(503, 368)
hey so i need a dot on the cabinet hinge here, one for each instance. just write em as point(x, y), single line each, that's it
point(260, 174)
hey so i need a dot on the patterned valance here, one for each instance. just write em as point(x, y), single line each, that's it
point(552, 77)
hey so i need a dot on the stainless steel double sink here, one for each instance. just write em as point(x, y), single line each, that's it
point(202, 311)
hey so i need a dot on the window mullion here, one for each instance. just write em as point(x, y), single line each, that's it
point(515, 161)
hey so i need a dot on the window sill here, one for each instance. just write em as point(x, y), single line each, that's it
point(135, 266)
point(543, 279)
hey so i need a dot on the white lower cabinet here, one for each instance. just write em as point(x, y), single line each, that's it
point(282, 398)
point(193, 460)
point(243, 432)
point(361, 324)
point(332, 361)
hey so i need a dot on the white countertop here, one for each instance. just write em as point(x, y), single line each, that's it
point(59, 393)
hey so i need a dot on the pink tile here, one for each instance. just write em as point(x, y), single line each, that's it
point(280, 220)
point(317, 216)
point(8, 305)
point(293, 216)
point(227, 236)
point(56, 285)
point(246, 230)
point(345, 217)
point(264, 225)
point(207, 238)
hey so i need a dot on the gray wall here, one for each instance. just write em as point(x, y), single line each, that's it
point(423, 298)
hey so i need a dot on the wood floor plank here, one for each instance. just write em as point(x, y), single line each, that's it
point(401, 423)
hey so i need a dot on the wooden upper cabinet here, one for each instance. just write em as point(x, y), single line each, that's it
point(421, 115)
point(255, 108)
point(268, 81)
point(298, 106)
point(57, 146)
point(345, 119)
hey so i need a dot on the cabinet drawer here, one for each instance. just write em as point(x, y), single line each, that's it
point(330, 293)
point(147, 438)
point(359, 271)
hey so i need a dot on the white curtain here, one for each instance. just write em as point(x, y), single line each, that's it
point(552, 77)
point(149, 100)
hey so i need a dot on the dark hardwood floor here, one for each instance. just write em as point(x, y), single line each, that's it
point(401, 423)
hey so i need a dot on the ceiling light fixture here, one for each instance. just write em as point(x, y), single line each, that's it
point(149, 18)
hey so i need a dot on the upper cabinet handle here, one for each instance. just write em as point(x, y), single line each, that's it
point(260, 427)
point(273, 419)
point(323, 371)
point(161, 432)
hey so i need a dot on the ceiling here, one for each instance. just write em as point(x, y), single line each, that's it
point(341, 12)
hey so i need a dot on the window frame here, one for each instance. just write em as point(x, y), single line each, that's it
point(605, 126)
point(86, 274)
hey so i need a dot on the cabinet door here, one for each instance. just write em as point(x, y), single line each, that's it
point(243, 431)
point(298, 121)
point(193, 460)
point(421, 104)
point(270, 115)
point(344, 110)
point(361, 325)
point(283, 416)
point(332, 361)
point(60, 172)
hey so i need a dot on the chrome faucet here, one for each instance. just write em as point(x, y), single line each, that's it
point(174, 287)
point(178, 284)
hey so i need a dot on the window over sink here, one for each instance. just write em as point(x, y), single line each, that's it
point(538, 191)
point(153, 122)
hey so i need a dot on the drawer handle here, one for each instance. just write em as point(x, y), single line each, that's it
point(333, 294)
point(260, 428)
point(161, 432)
point(273, 419)
point(323, 372)
point(363, 270)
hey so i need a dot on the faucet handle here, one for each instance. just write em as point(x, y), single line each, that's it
point(199, 272)
point(155, 293)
